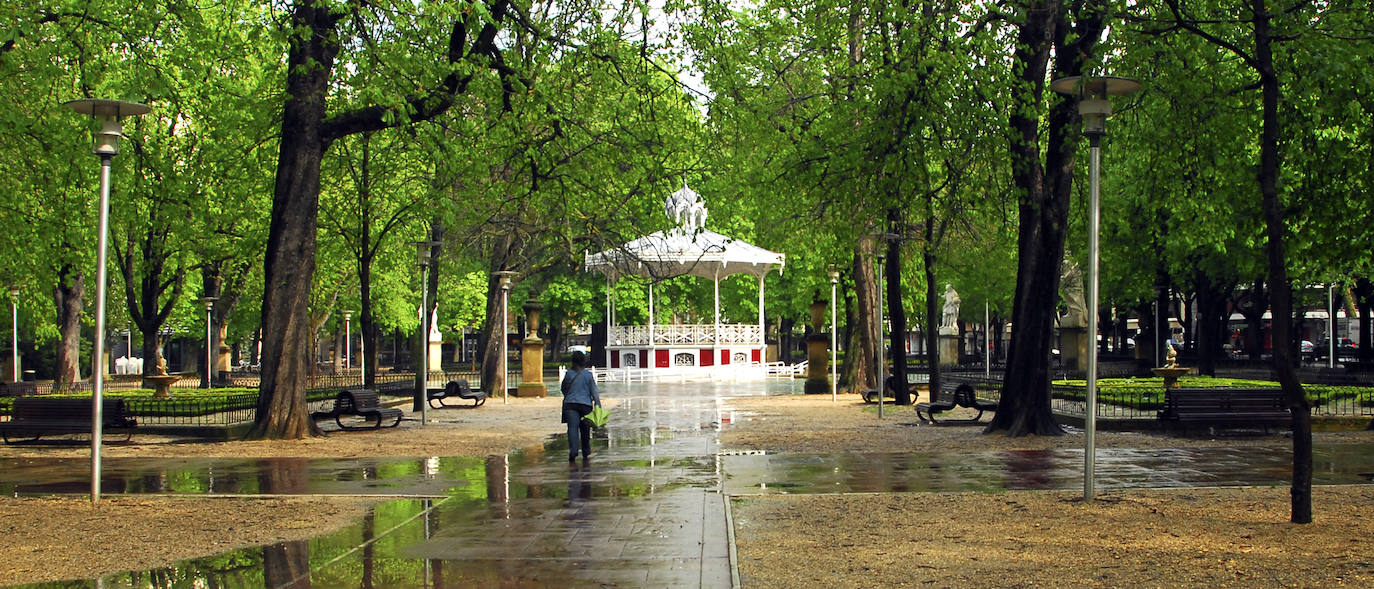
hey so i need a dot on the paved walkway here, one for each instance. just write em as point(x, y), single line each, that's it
point(648, 511)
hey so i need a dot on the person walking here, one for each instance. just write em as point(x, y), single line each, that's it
point(579, 395)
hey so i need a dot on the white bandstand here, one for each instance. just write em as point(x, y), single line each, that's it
point(685, 352)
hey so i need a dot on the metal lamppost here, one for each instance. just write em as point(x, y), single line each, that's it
point(107, 113)
point(1094, 106)
point(987, 341)
point(1330, 326)
point(423, 251)
point(505, 276)
point(882, 332)
point(209, 343)
point(834, 327)
point(14, 333)
point(348, 340)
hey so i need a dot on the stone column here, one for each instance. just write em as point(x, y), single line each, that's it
point(817, 352)
point(532, 354)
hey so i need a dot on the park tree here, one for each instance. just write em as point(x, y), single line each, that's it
point(317, 33)
point(379, 193)
point(578, 164)
point(1263, 37)
point(1042, 163)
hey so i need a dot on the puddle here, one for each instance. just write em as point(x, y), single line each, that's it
point(1035, 470)
point(647, 511)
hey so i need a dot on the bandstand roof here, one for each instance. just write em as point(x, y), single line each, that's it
point(686, 250)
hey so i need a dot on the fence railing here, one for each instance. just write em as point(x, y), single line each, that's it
point(1344, 399)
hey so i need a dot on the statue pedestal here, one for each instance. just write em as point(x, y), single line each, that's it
point(532, 355)
point(436, 356)
point(1170, 375)
point(1073, 347)
point(949, 346)
point(817, 364)
point(160, 384)
point(531, 368)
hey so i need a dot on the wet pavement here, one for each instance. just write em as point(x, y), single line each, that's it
point(649, 510)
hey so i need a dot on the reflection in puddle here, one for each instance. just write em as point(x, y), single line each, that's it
point(1033, 470)
point(647, 511)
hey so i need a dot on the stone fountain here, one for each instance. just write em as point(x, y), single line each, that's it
point(1171, 370)
point(161, 381)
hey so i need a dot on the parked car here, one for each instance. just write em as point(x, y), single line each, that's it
point(579, 348)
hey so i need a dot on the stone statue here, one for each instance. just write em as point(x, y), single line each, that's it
point(434, 335)
point(1170, 355)
point(161, 366)
point(1071, 288)
point(949, 317)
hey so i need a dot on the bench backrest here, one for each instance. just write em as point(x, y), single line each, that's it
point(66, 409)
point(356, 400)
point(1241, 400)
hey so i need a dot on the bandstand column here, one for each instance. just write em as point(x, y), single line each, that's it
point(763, 336)
point(715, 335)
point(651, 315)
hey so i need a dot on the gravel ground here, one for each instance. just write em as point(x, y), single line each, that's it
point(1237, 537)
point(1196, 537)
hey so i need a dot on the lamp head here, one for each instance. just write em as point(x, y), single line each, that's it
point(1094, 93)
point(209, 302)
point(107, 114)
point(348, 315)
point(834, 274)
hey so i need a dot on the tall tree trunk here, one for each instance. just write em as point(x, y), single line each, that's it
point(367, 322)
point(1364, 301)
point(897, 313)
point(68, 297)
point(1282, 293)
point(494, 364)
point(289, 264)
point(1212, 319)
point(866, 327)
point(289, 267)
point(1024, 407)
point(1256, 303)
point(430, 290)
point(932, 331)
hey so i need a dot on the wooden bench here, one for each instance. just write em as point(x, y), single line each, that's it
point(1226, 407)
point(457, 389)
point(963, 396)
point(36, 416)
point(889, 391)
point(18, 389)
point(360, 403)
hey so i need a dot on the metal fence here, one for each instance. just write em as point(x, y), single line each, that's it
point(1329, 397)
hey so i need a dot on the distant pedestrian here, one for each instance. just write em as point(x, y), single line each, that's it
point(579, 396)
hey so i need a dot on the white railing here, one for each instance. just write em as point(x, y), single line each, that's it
point(731, 372)
point(685, 335)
